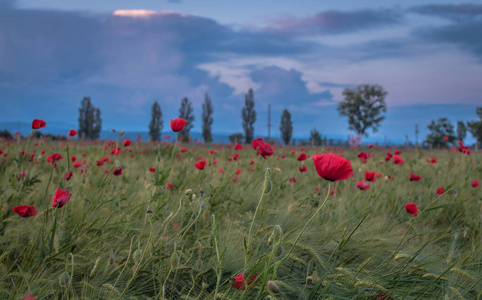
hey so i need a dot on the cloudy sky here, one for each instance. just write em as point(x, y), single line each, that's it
point(126, 54)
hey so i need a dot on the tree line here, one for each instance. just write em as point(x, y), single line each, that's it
point(364, 106)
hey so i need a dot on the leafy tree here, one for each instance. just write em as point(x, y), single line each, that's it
point(286, 127)
point(363, 105)
point(97, 124)
point(5, 133)
point(315, 138)
point(207, 119)
point(475, 127)
point(236, 137)
point(155, 127)
point(249, 116)
point(461, 131)
point(186, 112)
point(438, 131)
point(90, 122)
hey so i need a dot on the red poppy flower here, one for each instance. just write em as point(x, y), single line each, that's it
point(127, 142)
point(153, 170)
point(361, 185)
point(362, 155)
point(184, 150)
point(72, 132)
point(221, 170)
point(238, 146)
point(60, 198)
point(115, 151)
point(68, 175)
point(414, 177)
point(212, 152)
point(235, 156)
point(235, 179)
point(100, 163)
point(29, 297)
point(433, 160)
point(440, 190)
point(370, 146)
point(238, 281)
point(332, 167)
point(106, 159)
point(25, 211)
point(302, 157)
point(56, 157)
point(238, 171)
point(412, 208)
point(77, 164)
point(382, 297)
point(398, 160)
point(169, 186)
point(166, 137)
point(370, 176)
point(37, 124)
point(446, 138)
point(378, 174)
point(303, 169)
point(178, 124)
point(264, 149)
point(117, 172)
point(200, 164)
point(293, 180)
point(252, 162)
point(475, 183)
point(215, 161)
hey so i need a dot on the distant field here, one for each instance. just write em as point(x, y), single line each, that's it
point(163, 229)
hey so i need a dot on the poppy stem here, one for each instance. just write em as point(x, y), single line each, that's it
point(266, 179)
point(309, 221)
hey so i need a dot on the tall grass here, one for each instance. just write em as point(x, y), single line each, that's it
point(128, 237)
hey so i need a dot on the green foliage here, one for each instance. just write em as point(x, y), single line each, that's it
point(363, 105)
point(236, 137)
point(186, 113)
point(461, 131)
point(248, 115)
point(475, 127)
point(156, 125)
point(286, 127)
point(90, 121)
point(207, 119)
point(438, 131)
point(315, 138)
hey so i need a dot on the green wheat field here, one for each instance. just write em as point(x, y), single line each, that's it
point(133, 236)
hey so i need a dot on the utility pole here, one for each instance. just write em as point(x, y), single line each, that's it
point(416, 135)
point(269, 122)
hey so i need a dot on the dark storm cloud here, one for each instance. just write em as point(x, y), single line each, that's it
point(464, 31)
point(336, 22)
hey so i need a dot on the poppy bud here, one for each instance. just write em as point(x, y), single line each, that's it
point(64, 280)
point(188, 192)
point(137, 255)
point(174, 260)
point(193, 197)
point(273, 287)
point(113, 130)
point(122, 132)
point(199, 264)
point(268, 187)
point(277, 170)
